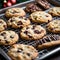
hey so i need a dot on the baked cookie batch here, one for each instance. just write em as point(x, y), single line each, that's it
point(30, 29)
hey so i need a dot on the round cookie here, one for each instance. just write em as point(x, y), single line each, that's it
point(14, 12)
point(40, 17)
point(3, 25)
point(54, 26)
point(32, 32)
point(18, 22)
point(8, 37)
point(55, 11)
point(22, 52)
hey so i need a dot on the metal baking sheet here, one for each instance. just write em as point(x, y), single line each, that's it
point(42, 53)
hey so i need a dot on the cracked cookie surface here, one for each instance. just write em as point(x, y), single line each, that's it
point(8, 37)
point(3, 25)
point(22, 52)
point(54, 26)
point(14, 12)
point(18, 22)
point(32, 32)
point(40, 17)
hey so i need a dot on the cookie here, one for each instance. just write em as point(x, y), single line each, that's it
point(32, 32)
point(49, 41)
point(54, 26)
point(22, 52)
point(8, 37)
point(18, 22)
point(3, 25)
point(14, 12)
point(32, 7)
point(55, 11)
point(40, 17)
point(43, 3)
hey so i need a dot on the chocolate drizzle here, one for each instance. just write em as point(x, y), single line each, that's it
point(49, 38)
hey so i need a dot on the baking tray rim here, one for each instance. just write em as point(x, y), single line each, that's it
point(7, 57)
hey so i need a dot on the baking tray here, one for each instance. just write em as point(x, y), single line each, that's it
point(42, 53)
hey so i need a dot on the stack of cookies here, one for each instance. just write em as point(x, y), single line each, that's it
point(30, 29)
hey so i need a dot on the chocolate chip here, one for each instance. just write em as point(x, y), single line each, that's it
point(28, 54)
point(11, 20)
point(19, 50)
point(32, 59)
point(11, 36)
point(48, 21)
point(34, 27)
point(37, 31)
point(3, 33)
point(0, 21)
point(30, 36)
point(4, 37)
point(6, 41)
point(19, 23)
point(46, 15)
point(26, 32)
point(25, 18)
point(52, 28)
point(0, 39)
point(4, 26)
point(27, 28)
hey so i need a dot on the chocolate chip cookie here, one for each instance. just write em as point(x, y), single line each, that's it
point(54, 26)
point(14, 12)
point(55, 11)
point(32, 7)
point(43, 3)
point(18, 22)
point(22, 52)
point(49, 41)
point(3, 25)
point(32, 32)
point(8, 37)
point(40, 17)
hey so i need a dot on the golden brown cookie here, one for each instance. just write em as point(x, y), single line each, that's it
point(40, 17)
point(32, 32)
point(18, 22)
point(14, 12)
point(22, 52)
point(8, 37)
point(55, 11)
point(3, 25)
point(54, 26)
